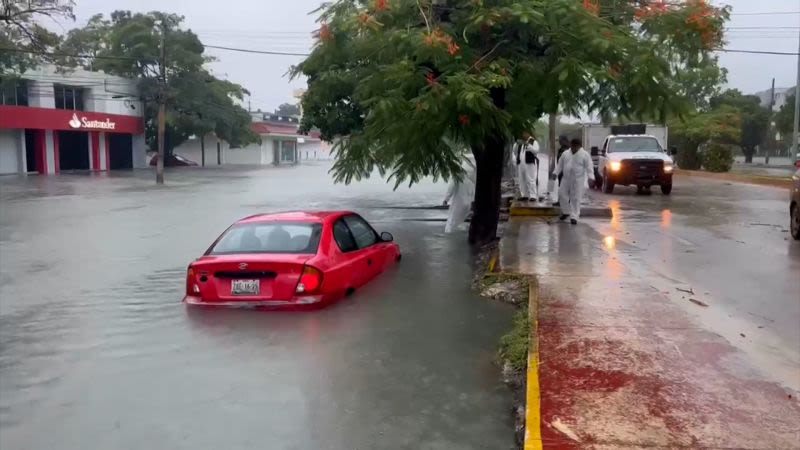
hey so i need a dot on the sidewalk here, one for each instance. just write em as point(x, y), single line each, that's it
point(621, 364)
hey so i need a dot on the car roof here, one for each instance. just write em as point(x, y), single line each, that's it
point(295, 216)
point(631, 135)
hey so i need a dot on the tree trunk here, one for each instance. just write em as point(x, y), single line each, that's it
point(489, 174)
point(748, 154)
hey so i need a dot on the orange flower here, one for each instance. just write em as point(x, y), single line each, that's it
point(325, 33)
point(363, 18)
point(463, 119)
point(452, 48)
point(614, 71)
point(593, 6)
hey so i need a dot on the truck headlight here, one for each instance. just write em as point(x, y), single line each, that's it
point(668, 168)
point(615, 166)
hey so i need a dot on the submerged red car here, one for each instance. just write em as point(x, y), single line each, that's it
point(293, 258)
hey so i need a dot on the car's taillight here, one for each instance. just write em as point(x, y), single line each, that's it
point(310, 281)
point(191, 284)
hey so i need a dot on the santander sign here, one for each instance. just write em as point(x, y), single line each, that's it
point(83, 122)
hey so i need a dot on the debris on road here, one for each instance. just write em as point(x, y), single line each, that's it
point(698, 302)
point(742, 335)
point(564, 429)
point(688, 291)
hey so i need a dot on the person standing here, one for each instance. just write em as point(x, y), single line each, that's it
point(460, 195)
point(528, 167)
point(575, 167)
point(563, 146)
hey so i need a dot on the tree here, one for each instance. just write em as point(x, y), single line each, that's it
point(784, 120)
point(754, 119)
point(721, 126)
point(288, 109)
point(408, 86)
point(128, 45)
point(23, 41)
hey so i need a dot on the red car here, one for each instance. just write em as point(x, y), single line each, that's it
point(289, 259)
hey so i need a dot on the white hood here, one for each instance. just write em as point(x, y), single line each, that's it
point(619, 156)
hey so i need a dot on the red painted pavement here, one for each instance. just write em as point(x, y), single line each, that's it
point(622, 365)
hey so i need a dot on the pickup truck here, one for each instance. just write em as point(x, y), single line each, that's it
point(634, 159)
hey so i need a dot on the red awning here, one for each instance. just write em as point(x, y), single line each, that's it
point(65, 119)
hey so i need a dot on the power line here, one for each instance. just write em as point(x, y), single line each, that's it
point(260, 52)
point(770, 13)
point(757, 52)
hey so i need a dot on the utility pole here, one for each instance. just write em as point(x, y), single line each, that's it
point(162, 106)
point(795, 149)
point(766, 139)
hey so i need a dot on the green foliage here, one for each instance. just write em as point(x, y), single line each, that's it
point(754, 117)
point(784, 119)
point(288, 109)
point(514, 344)
point(717, 158)
point(688, 134)
point(22, 39)
point(128, 44)
point(405, 86)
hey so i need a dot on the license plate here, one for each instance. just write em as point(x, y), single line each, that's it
point(245, 287)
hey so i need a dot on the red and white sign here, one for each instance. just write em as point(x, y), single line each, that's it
point(83, 122)
point(62, 119)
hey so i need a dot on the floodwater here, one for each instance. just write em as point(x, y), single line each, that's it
point(96, 350)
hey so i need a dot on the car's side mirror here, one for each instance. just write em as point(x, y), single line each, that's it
point(387, 237)
point(673, 150)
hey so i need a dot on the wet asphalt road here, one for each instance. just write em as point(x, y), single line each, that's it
point(729, 243)
point(97, 352)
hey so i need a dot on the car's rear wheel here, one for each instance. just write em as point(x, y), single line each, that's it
point(795, 221)
point(608, 185)
point(666, 188)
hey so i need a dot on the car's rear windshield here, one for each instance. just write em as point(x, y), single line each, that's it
point(269, 237)
point(635, 144)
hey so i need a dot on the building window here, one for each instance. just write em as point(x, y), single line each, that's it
point(13, 91)
point(68, 97)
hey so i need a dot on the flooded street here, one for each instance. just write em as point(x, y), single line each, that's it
point(96, 350)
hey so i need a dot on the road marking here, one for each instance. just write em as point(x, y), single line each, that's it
point(533, 429)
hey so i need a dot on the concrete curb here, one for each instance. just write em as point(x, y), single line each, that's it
point(533, 429)
point(548, 211)
point(785, 183)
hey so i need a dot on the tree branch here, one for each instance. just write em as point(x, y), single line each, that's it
point(421, 11)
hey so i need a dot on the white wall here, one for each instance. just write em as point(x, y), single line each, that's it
point(191, 150)
point(245, 155)
point(314, 151)
point(99, 90)
point(139, 149)
point(10, 151)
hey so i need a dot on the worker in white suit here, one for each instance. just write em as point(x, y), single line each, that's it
point(460, 195)
point(575, 167)
point(527, 158)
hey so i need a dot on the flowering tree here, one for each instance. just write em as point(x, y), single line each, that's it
point(407, 86)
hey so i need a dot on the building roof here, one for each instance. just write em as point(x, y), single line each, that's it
point(282, 129)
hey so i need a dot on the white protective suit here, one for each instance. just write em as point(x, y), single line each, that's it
point(577, 168)
point(528, 185)
point(460, 196)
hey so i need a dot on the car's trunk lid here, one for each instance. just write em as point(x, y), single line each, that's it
point(248, 277)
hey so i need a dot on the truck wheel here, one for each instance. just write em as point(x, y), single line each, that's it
point(795, 221)
point(666, 189)
point(608, 185)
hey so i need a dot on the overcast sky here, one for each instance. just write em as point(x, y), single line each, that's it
point(283, 25)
